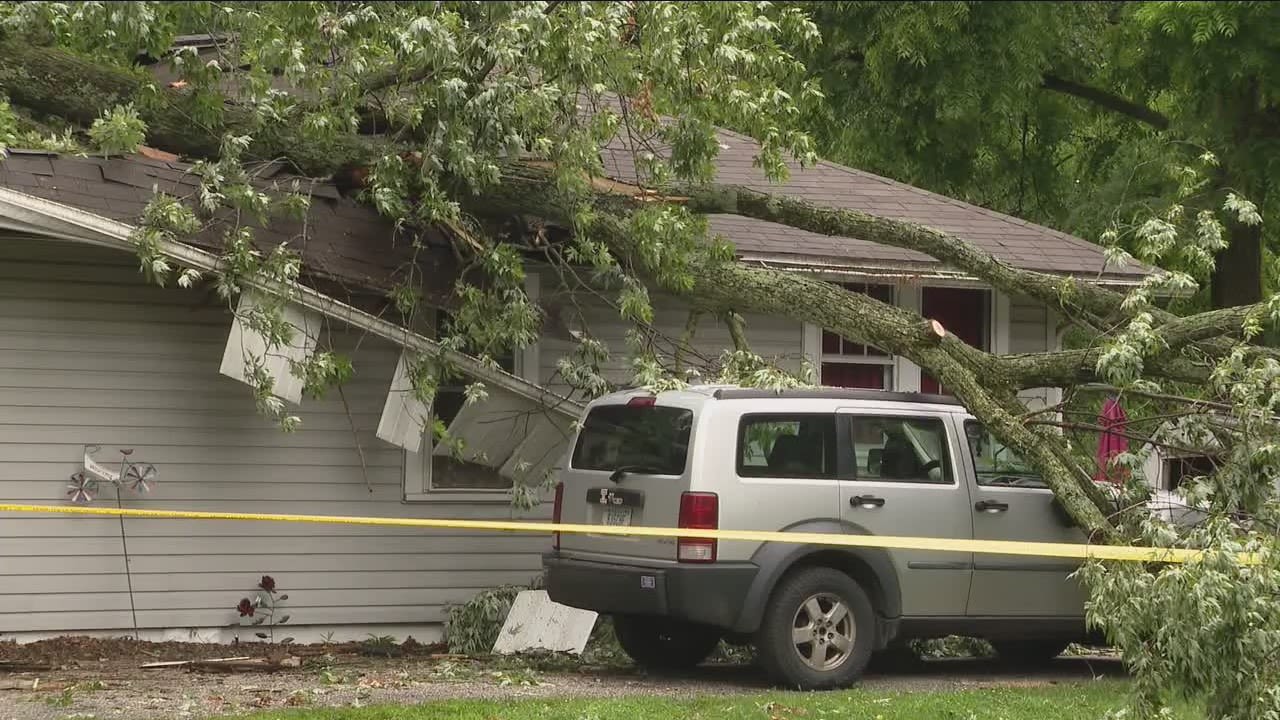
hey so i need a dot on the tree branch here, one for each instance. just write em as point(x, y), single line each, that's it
point(685, 344)
point(1075, 367)
point(1052, 290)
point(1105, 99)
point(737, 331)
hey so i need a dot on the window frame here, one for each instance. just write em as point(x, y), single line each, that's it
point(740, 437)
point(418, 482)
point(973, 463)
point(854, 474)
point(886, 362)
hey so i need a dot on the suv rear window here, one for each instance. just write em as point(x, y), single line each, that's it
point(652, 440)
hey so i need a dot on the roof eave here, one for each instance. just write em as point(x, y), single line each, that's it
point(907, 271)
point(38, 216)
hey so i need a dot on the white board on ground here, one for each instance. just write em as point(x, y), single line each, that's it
point(537, 623)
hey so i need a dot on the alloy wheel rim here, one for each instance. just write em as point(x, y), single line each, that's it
point(823, 632)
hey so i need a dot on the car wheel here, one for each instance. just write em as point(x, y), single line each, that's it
point(817, 632)
point(1028, 652)
point(664, 644)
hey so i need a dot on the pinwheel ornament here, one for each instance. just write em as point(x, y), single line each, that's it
point(138, 476)
point(82, 488)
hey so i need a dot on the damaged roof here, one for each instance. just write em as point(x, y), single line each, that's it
point(342, 243)
point(350, 245)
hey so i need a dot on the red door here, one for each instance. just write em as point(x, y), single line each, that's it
point(964, 312)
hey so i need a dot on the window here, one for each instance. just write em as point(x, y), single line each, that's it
point(787, 446)
point(964, 312)
point(901, 449)
point(996, 465)
point(1179, 470)
point(428, 472)
point(645, 439)
point(848, 364)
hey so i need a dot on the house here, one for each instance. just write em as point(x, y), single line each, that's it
point(1185, 447)
point(92, 356)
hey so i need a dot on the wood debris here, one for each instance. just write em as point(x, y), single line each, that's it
point(33, 684)
point(19, 666)
point(246, 664)
point(184, 663)
point(243, 663)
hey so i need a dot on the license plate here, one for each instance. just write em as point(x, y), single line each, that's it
point(617, 516)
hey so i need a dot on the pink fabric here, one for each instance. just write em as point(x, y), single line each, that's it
point(1111, 444)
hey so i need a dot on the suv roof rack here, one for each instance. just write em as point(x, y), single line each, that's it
point(834, 394)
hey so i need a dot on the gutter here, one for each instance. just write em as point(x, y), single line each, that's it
point(29, 214)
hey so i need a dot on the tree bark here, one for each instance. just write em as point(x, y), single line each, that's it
point(737, 331)
point(1052, 290)
point(1106, 99)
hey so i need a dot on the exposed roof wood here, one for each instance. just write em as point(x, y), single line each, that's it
point(347, 248)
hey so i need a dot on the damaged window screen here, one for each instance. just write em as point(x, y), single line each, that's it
point(651, 440)
point(450, 473)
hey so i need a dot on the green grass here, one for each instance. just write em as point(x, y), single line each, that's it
point(1083, 701)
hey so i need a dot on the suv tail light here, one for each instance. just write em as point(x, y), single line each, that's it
point(556, 511)
point(698, 511)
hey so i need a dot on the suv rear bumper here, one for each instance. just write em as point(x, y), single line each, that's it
point(711, 594)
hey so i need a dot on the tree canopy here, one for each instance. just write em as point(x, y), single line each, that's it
point(1070, 114)
point(452, 118)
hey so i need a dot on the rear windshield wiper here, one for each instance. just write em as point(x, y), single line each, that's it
point(621, 471)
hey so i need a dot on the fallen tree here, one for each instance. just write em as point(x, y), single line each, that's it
point(478, 117)
point(51, 81)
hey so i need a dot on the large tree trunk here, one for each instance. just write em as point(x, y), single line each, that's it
point(1237, 276)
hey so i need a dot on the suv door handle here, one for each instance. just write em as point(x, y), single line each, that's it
point(866, 501)
point(991, 506)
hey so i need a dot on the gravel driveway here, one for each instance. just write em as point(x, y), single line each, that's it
point(115, 690)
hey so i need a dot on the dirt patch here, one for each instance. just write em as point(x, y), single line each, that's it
point(114, 654)
point(96, 678)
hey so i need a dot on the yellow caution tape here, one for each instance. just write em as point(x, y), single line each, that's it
point(994, 547)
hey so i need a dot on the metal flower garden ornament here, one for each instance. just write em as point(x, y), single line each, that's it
point(139, 477)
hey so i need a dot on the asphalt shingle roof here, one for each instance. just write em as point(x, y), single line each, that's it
point(350, 244)
point(1017, 242)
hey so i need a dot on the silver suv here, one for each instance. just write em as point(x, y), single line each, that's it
point(820, 461)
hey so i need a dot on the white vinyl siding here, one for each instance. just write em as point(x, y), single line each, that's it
point(90, 354)
point(1031, 329)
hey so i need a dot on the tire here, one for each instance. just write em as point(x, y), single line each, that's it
point(845, 650)
point(1028, 652)
point(662, 644)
